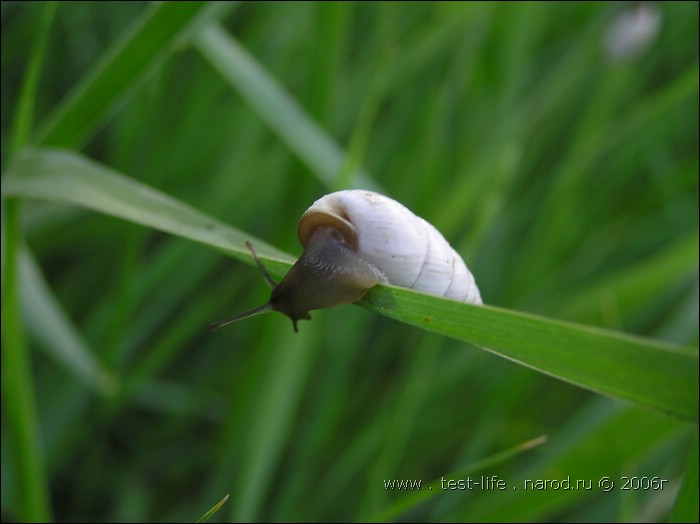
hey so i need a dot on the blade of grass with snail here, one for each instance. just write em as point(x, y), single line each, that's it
point(646, 372)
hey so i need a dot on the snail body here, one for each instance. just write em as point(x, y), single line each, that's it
point(355, 239)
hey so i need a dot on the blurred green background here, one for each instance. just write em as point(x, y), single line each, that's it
point(566, 176)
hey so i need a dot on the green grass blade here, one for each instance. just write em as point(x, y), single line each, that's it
point(646, 372)
point(213, 510)
point(70, 178)
point(276, 106)
point(118, 72)
point(437, 486)
point(56, 333)
point(278, 395)
point(686, 507)
point(585, 445)
point(635, 283)
point(18, 390)
point(18, 397)
point(24, 115)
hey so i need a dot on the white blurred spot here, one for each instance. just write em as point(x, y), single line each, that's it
point(632, 32)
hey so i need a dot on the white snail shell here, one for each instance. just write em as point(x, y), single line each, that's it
point(406, 249)
point(354, 240)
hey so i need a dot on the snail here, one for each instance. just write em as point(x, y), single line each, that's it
point(353, 240)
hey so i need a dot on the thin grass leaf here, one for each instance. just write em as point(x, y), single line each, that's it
point(594, 441)
point(686, 507)
point(18, 395)
point(56, 332)
point(276, 107)
point(330, 27)
point(24, 115)
point(634, 284)
point(357, 147)
point(121, 69)
point(278, 396)
point(213, 510)
point(18, 389)
point(646, 372)
point(631, 130)
point(437, 486)
point(70, 178)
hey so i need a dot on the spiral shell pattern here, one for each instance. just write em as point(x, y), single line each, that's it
point(409, 251)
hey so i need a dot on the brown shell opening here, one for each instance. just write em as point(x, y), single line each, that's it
point(312, 220)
